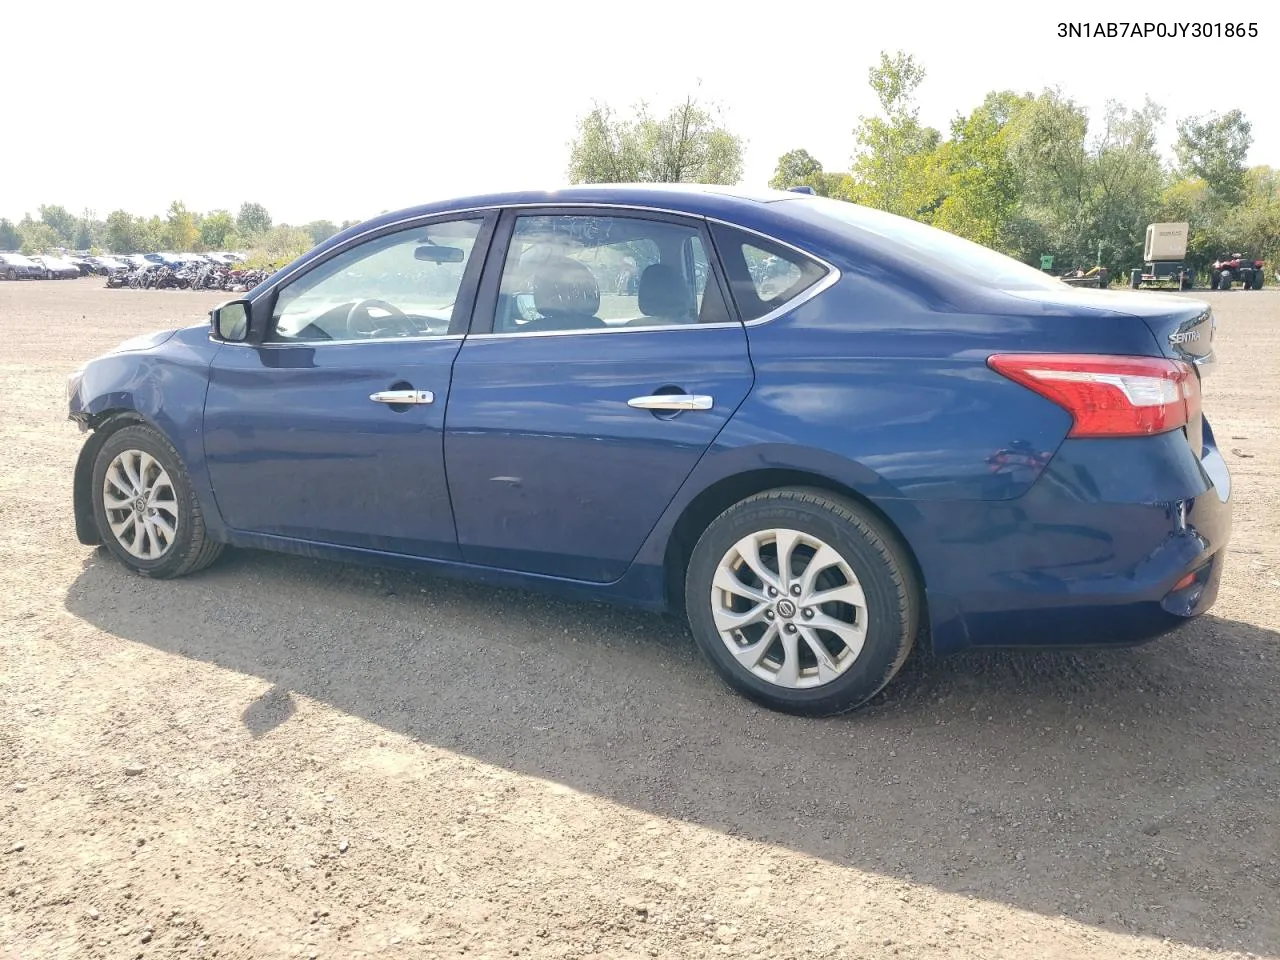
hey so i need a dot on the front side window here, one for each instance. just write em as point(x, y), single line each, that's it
point(402, 284)
point(567, 272)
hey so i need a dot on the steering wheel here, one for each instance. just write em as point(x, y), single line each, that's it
point(362, 323)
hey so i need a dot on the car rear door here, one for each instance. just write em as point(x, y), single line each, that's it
point(331, 430)
point(603, 362)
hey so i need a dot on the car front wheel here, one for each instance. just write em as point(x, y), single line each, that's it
point(145, 509)
point(802, 601)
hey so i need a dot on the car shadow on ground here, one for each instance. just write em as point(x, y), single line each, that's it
point(1129, 789)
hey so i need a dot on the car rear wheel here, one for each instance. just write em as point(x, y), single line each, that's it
point(12, 274)
point(145, 509)
point(802, 601)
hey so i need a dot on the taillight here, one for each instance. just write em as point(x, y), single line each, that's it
point(1109, 396)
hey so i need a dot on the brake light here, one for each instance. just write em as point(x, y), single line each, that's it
point(1109, 396)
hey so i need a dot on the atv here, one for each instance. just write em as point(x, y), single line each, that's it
point(1230, 268)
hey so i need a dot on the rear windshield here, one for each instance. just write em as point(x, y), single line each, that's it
point(933, 249)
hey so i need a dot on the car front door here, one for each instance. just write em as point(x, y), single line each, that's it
point(602, 363)
point(331, 429)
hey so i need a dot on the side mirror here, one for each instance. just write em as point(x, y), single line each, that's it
point(230, 321)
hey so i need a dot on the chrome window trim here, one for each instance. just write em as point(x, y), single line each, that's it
point(621, 328)
point(337, 343)
point(832, 277)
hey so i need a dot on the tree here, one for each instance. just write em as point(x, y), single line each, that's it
point(795, 168)
point(37, 236)
point(279, 246)
point(217, 230)
point(320, 230)
point(10, 238)
point(126, 233)
point(180, 231)
point(1214, 148)
point(981, 189)
point(892, 169)
point(1126, 177)
point(1048, 146)
point(253, 219)
point(62, 222)
point(687, 145)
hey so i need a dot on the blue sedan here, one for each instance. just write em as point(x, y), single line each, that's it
point(823, 433)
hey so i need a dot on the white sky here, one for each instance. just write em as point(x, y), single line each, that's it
point(382, 105)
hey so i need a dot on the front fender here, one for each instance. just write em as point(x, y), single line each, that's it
point(163, 386)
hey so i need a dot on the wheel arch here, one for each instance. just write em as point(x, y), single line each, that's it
point(724, 493)
point(103, 425)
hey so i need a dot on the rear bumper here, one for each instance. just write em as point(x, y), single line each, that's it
point(1117, 542)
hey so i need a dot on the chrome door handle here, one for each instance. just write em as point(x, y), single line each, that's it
point(403, 396)
point(672, 401)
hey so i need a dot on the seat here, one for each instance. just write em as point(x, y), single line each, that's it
point(566, 296)
point(663, 297)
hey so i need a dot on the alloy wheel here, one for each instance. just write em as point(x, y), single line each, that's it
point(141, 504)
point(789, 608)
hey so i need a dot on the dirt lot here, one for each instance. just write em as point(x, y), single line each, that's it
point(337, 762)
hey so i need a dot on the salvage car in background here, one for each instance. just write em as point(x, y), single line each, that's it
point(14, 266)
point(56, 268)
point(817, 430)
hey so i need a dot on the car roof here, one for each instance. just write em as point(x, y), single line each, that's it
point(691, 198)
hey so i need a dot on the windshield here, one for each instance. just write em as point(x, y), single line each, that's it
point(935, 249)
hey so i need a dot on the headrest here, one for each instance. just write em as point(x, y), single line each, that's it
point(664, 293)
point(562, 285)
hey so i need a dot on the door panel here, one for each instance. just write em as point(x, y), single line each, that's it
point(332, 429)
point(552, 469)
point(296, 447)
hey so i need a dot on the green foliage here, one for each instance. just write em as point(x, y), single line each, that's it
point(278, 246)
point(979, 188)
point(10, 238)
point(180, 233)
point(126, 233)
point(687, 145)
point(62, 223)
point(799, 168)
point(253, 219)
point(893, 168)
point(1030, 175)
point(795, 168)
point(1214, 148)
point(218, 231)
point(37, 236)
point(320, 230)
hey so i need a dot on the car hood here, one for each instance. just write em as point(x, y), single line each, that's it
point(146, 341)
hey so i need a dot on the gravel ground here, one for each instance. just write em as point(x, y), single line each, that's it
point(291, 758)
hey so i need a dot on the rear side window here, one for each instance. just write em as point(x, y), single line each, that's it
point(763, 275)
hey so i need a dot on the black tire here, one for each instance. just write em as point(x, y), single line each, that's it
point(12, 274)
point(1257, 280)
point(190, 549)
point(877, 560)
